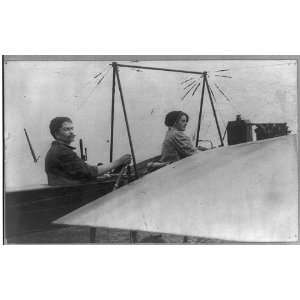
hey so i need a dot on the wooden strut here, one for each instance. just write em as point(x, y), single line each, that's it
point(159, 69)
point(116, 75)
point(127, 124)
point(214, 111)
point(112, 112)
point(133, 234)
point(201, 108)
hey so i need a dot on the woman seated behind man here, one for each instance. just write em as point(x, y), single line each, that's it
point(177, 145)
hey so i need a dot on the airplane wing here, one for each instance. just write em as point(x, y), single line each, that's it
point(246, 192)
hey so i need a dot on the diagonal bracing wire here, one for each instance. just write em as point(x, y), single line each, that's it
point(92, 80)
point(104, 74)
point(196, 88)
point(98, 74)
point(182, 98)
point(227, 98)
point(189, 79)
point(217, 109)
point(100, 80)
point(219, 89)
point(189, 84)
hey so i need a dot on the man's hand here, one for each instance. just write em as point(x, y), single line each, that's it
point(118, 163)
point(202, 148)
point(124, 160)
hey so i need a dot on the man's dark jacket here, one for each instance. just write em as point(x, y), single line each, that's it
point(63, 166)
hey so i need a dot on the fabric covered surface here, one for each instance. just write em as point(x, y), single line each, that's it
point(246, 192)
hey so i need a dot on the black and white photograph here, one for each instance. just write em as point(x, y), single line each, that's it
point(150, 149)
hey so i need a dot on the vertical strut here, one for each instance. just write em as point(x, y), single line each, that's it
point(126, 121)
point(112, 112)
point(201, 107)
point(214, 111)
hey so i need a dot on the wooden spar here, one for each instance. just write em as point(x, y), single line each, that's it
point(160, 69)
point(201, 107)
point(112, 113)
point(214, 111)
point(126, 121)
point(35, 159)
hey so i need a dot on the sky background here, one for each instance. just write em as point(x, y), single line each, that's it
point(37, 91)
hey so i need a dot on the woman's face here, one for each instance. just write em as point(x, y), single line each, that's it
point(181, 123)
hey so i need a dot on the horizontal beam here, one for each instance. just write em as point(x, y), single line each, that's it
point(159, 69)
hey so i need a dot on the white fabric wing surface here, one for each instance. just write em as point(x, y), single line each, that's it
point(246, 192)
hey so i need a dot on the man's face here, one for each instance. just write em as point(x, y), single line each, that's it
point(65, 133)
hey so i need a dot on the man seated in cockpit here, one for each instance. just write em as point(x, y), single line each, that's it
point(63, 166)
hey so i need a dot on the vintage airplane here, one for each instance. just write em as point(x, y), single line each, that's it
point(244, 193)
